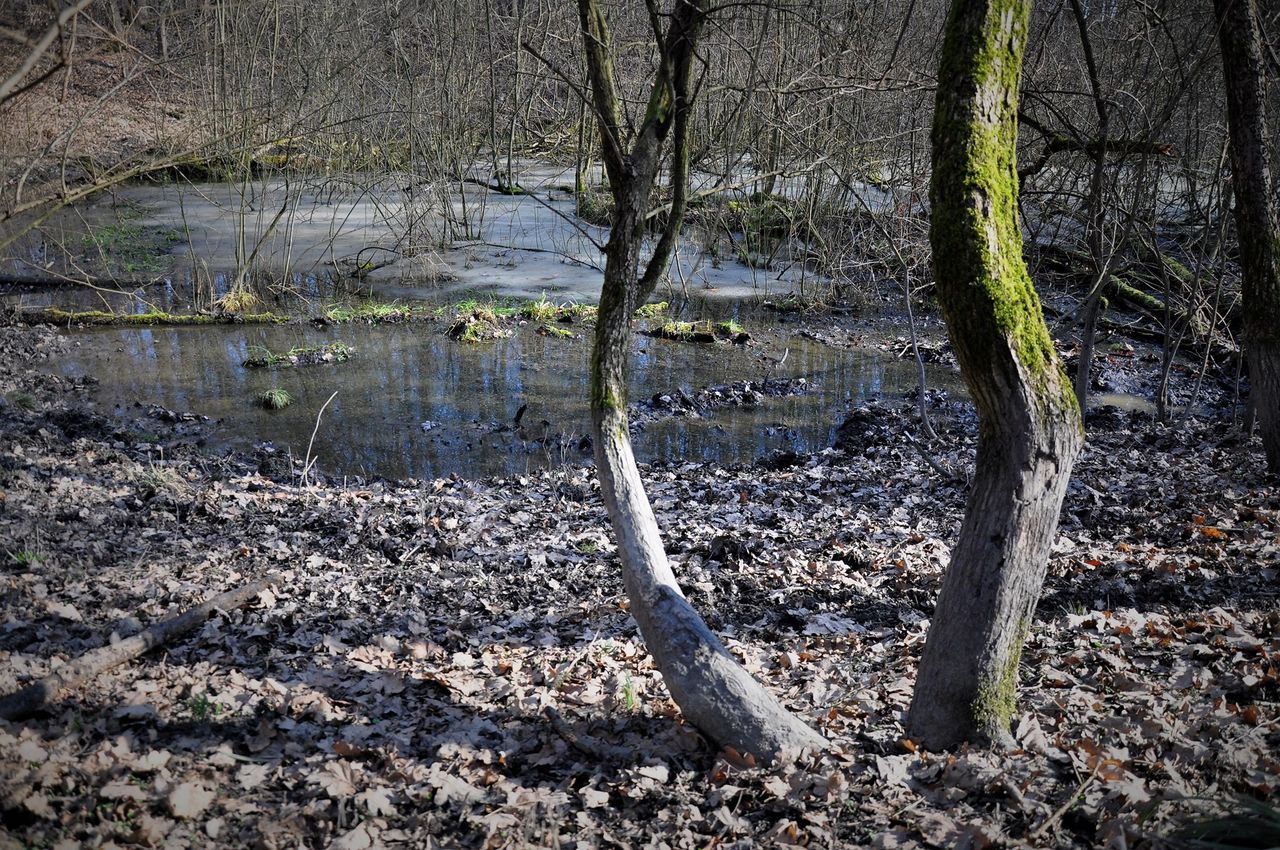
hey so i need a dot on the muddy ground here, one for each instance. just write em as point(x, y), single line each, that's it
point(451, 662)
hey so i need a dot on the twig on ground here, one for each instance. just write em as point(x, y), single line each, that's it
point(585, 744)
point(1071, 800)
point(937, 467)
point(563, 672)
point(310, 461)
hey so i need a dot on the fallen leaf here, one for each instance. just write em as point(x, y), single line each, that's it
point(250, 776)
point(593, 798)
point(337, 778)
point(189, 799)
point(377, 802)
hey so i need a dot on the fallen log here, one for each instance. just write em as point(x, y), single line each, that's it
point(1116, 286)
point(64, 318)
point(38, 695)
point(122, 285)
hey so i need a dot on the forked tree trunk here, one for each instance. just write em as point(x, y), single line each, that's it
point(713, 691)
point(1257, 220)
point(1029, 422)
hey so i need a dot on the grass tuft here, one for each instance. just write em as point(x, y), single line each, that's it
point(542, 310)
point(26, 401)
point(27, 557)
point(656, 310)
point(238, 301)
point(276, 399)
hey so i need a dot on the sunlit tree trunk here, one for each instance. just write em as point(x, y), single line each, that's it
point(1029, 422)
point(1257, 221)
point(713, 691)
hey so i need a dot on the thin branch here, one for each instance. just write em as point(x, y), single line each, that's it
point(1066, 806)
point(41, 47)
point(550, 66)
point(39, 695)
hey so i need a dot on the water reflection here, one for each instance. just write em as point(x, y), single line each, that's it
point(403, 376)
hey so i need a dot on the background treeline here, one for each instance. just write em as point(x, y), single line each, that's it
point(816, 115)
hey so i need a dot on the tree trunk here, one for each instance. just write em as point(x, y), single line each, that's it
point(1257, 220)
point(1097, 215)
point(713, 691)
point(1029, 422)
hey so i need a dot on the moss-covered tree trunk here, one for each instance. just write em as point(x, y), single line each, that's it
point(713, 691)
point(1257, 220)
point(1029, 422)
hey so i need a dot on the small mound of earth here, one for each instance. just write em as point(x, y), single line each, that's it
point(869, 425)
point(681, 402)
point(477, 326)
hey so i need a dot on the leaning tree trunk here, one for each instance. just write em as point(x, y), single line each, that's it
point(1029, 430)
point(712, 689)
point(1257, 220)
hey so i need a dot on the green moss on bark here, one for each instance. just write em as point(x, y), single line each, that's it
point(659, 104)
point(983, 282)
point(604, 398)
point(997, 697)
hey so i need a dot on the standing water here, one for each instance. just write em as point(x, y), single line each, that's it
point(413, 403)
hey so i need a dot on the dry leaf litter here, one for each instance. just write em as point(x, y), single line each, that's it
point(451, 663)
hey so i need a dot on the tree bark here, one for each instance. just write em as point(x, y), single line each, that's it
point(1257, 220)
point(713, 691)
point(1029, 422)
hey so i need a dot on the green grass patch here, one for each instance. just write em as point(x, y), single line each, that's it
point(129, 248)
point(479, 325)
point(202, 709)
point(27, 558)
point(26, 401)
point(684, 331)
point(656, 310)
point(542, 310)
point(630, 699)
point(701, 331)
point(275, 399)
point(375, 312)
point(557, 332)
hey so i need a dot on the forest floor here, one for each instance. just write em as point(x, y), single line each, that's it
point(453, 660)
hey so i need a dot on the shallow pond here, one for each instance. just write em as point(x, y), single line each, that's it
point(413, 403)
point(304, 234)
